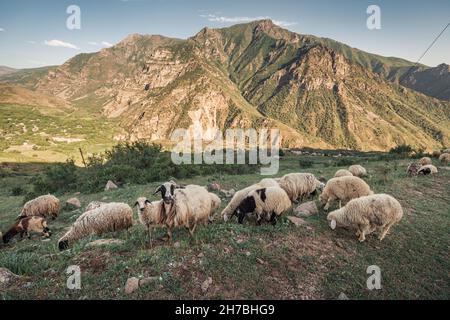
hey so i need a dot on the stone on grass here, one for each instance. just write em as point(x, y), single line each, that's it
point(110, 185)
point(205, 285)
point(297, 221)
point(132, 285)
point(6, 276)
point(74, 202)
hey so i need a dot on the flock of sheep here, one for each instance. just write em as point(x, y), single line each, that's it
point(190, 206)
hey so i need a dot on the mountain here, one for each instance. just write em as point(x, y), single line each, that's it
point(319, 92)
point(6, 70)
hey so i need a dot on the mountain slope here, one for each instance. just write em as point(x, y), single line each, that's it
point(319, 92)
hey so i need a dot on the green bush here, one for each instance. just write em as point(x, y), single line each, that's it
point(403, 149)
point(305, 163)
point(125, 163)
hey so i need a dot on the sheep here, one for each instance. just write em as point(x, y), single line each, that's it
point(27, 225)
point(94, 205)
point(240, 195)
point(413, 169)
point(343, 189)
point(187, 206)
point(342, 173)
point(167, 190)
point(107, 218)
point(268, 203)
point(446, 151)
point(427, 169)
point(299, 185)
point(367, 214)
point(357, 170)
point(43, 206)
point(424, 161)
point(445, 157)
point(436, 153)
point(215, 204)
point(150, 214)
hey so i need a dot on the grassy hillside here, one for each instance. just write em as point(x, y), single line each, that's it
point(244, 261)
point(42, 134)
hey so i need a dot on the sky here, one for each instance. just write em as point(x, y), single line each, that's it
point(34, 33)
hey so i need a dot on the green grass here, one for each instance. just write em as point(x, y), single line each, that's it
point(245, 261)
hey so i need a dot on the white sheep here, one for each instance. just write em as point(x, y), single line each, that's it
point(107, 218)
point(187, 207)
point(445, 158)
point(94, 205)
point(357, 170)
point(343, 189)
point(240, 195)
point(150, 214)
point(300, 185)
point(424, 161)
point(267, 203)
point(43, 206)
point(427, 169)
point(367, 214)
point(342, 173)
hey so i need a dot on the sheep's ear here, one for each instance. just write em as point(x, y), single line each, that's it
point(333, 224)
point(147, 201)
point(157, 190)
point(136, 204)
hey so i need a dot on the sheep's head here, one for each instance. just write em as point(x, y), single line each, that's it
point(332, 220)
point(167, 190)
point(248, 205)
point(141, 202)
point(63, 244)
point(323, 199)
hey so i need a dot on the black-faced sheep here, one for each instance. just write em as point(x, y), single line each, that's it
point(240, 195)
point(368, 214)
point(26, 226)
point(342, 173)
point(107, 218)
point(300, 185)
point(343, 189)
point(186, 207)
point(267, 203)
point(357, 170)
point(424, 161)
point(427, 169)
point(43, 206)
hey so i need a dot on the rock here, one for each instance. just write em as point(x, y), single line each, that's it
point(145, 281)
point(297, 221)
point(307, 209)
point(74, 202)
point(102, 242)
point(343, 296)
point(248, 253)
point(205, 285)
point(176, 244)
point(28, 285)
point(214, 186)
point(6, 276)
point(110, 185)
point(131, 285)
point(228, 193)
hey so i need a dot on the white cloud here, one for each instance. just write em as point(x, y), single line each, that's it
point(31, 42)
point(2, 30)
point(93, 43)
point(59, 43)
point(223, 19)
point(106, 44)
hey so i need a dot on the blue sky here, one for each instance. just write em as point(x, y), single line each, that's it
point(33, 33)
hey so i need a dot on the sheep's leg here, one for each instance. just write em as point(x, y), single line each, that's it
point(362, 233)
point(21, 234)
point(273, 219)
point(149, 236)
point(340, 203)
point(384, 232)
point(327, 205)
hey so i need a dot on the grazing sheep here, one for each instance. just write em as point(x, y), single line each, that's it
point(267, 203)
point(427, 169)
point(343, 189)
point(367, 214)
point(357, 170)
point(424, 161)
point(107, 218)
point(445, 157)
point(25, 226)
point(300, 185)
point(342, 173)
point(94, 205)
point(413, 169)
point(436, 153)
point(240, 195)
point(188, 206)
point(43, 206)
point(215, 204)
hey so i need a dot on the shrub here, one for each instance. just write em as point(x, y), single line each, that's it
point(305, 163)
point(403, 149)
